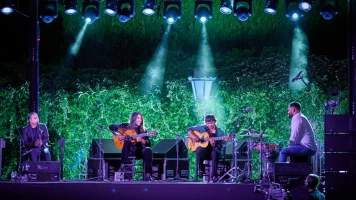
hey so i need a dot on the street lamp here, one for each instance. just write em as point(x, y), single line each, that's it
point(201, 87)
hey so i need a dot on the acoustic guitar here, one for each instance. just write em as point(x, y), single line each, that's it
point(204, 140)
point(128, 134)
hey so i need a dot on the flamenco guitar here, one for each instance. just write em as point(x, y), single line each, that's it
point(204, 140)
point(128, 134)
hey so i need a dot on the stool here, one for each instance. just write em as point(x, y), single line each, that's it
point(208, 170)
point(300, 159)
point(128, 170)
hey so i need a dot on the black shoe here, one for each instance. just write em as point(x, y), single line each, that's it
point(215, 179)
point(201, 174)
point(148, 177)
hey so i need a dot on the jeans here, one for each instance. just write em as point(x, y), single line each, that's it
point(295, 150)
point(39, 154)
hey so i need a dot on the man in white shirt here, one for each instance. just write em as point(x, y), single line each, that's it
point(301, 142)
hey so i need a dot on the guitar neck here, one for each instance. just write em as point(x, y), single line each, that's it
point(215, 138)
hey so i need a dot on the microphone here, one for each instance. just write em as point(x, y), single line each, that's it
point(100, 126)
point(297, 77)
point(245, 110)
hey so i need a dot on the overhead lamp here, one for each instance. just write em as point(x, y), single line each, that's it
point(6, 7)
point(70, 7)
point(111, 7)
point(328, 9)
point(293, 12)
point(203, 10)
point(243, 9)
point(305, 5)
point(90, 10)
point(172, 10)
point(125, 10)
point(48, 10)
point(226, 7)
point(271, 6)
point(149, 7)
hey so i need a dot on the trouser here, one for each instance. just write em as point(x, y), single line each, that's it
point(207, 154)
point(145, 153)
point(295, 150)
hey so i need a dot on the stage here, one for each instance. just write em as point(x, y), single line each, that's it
point(171, 190)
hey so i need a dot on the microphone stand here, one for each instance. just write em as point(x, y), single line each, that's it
point(177, 177)
point(20, 146)
point(100, 170)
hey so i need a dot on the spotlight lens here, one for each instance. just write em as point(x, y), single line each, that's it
point(225, 10)
point(295, 16)
point(7, 10)
point(203, 19)
point(109, 11)
point(170, 20)
point(327, 15)
point(270, 11)
point(305, 6)
point(87, 20)
point(148, 11)
point(70, 11)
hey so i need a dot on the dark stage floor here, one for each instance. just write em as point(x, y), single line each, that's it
point(171, 190)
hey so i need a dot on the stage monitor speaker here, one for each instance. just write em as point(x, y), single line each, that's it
point(108, 149)
point(241, 149)
point(166, 148)
point(44, 170)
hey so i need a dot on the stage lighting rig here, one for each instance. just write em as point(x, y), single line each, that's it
point(70, 7)
point(329, 8)
point(111, 7)
point(149, 7)
point(203, 10)
point(90, 10)
point(226, 7)
point(48, 10)
point(271, 6)
point(125, 10)
point(6, 7)
point(243, 9)
point(292, 11)
point(172, 10)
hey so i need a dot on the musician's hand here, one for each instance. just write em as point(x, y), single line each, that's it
point(120, 138)
point(195, 139)
point(140, 139)
point(212, 142)
point(38, 143)
point(154, 132)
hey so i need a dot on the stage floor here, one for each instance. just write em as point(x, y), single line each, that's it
point(171, 190)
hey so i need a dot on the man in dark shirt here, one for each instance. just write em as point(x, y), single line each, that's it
point(142, 148)
point(35, 138)
point(312, 182)
point(214, 149)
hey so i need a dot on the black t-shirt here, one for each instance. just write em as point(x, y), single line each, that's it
point(316, 195)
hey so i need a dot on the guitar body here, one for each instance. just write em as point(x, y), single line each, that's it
point(192, 146)
point(124, 132)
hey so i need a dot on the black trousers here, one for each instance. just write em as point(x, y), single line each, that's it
point(38, 154)
point(144, 153)
point(208, 153)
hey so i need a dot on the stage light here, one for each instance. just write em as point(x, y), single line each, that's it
point(111, 7)
point(70, 7)
point(305, 5)
point(149, 7)
point(6, 7)
point(48, 10)
point(329, 8)
point(243, 9)
point(271, 7)
point(293, 12)
point(172, 11)
point(125, 10)
point(90, 11)
point(226, 7)
point(203, 10)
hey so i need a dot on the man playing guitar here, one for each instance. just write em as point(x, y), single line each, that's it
point(141, 145)
point(213, 150)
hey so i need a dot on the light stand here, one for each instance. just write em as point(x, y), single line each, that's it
point(233, 171)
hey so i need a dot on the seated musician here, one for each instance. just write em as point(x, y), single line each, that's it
point(214, 149)
point(302, 142)
point(35, 138)
point(142, 147)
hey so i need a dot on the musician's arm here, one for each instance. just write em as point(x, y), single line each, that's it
point(219, 143)
point(191, 133)
point(147, 142)
point(28, 145)
point(45, 134)
point(116, 127)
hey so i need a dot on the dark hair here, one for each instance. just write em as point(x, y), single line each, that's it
point(133, 122)
point(209, 118)
point(313, 181)
point(295, 105)
point(30, 114)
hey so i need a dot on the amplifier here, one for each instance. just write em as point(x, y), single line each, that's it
point(284, 171)
point(166, 168)
point(43, 170)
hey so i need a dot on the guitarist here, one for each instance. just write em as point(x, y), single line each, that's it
point(141, 149)
point(214, 150)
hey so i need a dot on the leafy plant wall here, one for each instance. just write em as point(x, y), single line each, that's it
point(70, 105)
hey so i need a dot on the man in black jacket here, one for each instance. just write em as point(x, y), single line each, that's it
point(142, 147)
point(35, 138)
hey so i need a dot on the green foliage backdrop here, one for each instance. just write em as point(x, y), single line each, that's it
point(72, 101)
